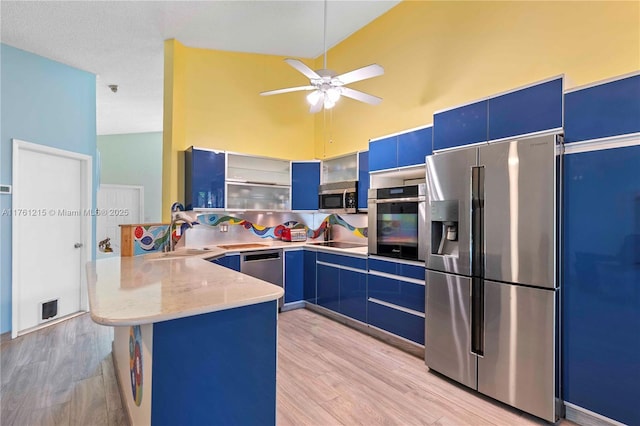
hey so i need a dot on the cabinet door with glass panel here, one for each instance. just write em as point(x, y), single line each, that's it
point(258, 183)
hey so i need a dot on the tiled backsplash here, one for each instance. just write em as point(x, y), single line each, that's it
point(256, 226)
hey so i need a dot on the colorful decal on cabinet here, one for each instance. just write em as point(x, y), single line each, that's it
point(135, 363)
point(276, 231)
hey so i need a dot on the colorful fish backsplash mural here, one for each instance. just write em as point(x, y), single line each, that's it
point(150, 238)
point(276, 231)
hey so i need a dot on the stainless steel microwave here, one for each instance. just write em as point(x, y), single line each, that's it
point(338, 197)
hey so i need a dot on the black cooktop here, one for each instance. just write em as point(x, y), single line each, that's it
point(338, 244)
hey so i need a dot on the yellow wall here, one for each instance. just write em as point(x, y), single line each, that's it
point(212, 101)
point(441, 54)
point(435, 55)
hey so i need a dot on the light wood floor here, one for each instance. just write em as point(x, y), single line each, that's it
point(60, 375)
point(328, 374)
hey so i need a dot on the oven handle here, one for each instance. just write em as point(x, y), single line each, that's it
point(399, 200)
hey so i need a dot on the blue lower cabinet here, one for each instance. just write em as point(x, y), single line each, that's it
point(293, 276)
point(309, 281)
point(397, 292)
point(215, 368)
point(328, 286)
point(353, 294)
point(395, 321)
point(229, 261)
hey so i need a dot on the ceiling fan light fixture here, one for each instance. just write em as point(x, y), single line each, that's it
point(333, 93)
point(328, 103)
point(314, 97)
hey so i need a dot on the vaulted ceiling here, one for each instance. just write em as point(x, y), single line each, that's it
point(122, 41)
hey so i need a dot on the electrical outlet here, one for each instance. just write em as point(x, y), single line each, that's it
point(224, 228)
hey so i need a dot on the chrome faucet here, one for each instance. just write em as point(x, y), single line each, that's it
point(176, 217)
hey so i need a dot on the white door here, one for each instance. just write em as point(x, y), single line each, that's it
point(51, 230)
point(121, 204)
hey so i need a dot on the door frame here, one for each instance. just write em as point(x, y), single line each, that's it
point(140, 189)
point(86, 199)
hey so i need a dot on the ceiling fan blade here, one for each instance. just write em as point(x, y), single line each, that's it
point(363, 73)
point(288, 89)
point(317, 107)
point(300, 66)
point(360, 96)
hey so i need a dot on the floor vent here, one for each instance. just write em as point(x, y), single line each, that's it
point(49, 309)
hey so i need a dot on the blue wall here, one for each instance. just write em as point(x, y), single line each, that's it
point(44, 102)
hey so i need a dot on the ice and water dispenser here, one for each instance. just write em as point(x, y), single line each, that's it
point(444, 227)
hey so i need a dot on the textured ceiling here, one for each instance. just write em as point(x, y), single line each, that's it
point(122, 41)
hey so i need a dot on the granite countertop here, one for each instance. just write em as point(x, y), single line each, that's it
point(159, 287)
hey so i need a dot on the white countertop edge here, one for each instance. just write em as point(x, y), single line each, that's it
point(152, 319)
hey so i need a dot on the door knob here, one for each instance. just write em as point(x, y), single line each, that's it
point(77, 245)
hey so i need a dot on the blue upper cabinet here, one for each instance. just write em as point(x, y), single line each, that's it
point(603, 110)
point(532, 109)
point(305, 178)
point(383, 154)
point(204, 179)
point(405, 149)
point(414, 146)
point(363, 178)
point(460, 126)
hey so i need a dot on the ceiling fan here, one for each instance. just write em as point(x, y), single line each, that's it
point(328, 86)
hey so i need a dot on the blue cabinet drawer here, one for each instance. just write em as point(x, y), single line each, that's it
point(349, 261)
point(383, 154)
point(532, 109)
point(401, 293)
point(411, 271)
point(397, 268)
point(389, 267)
point(604, 110)
point(397, 322)
point(460, 126)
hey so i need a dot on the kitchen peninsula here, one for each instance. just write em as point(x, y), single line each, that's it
point(194, 342)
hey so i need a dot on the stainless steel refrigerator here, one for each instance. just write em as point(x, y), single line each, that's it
point(491, 281)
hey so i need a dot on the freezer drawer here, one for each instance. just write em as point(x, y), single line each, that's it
point(518, 366)
point(448, 327)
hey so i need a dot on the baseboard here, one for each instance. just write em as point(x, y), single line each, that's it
point(388, 338)
point(293, 305)
point(125, 407)
point(50, 323)
point(585, 417)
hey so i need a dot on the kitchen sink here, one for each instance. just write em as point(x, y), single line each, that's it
point(176, 254)
point(243, 246)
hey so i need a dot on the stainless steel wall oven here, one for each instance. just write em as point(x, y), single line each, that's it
point(397, 226)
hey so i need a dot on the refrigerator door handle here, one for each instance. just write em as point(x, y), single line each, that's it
point(477, 260)
point(477, 221)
